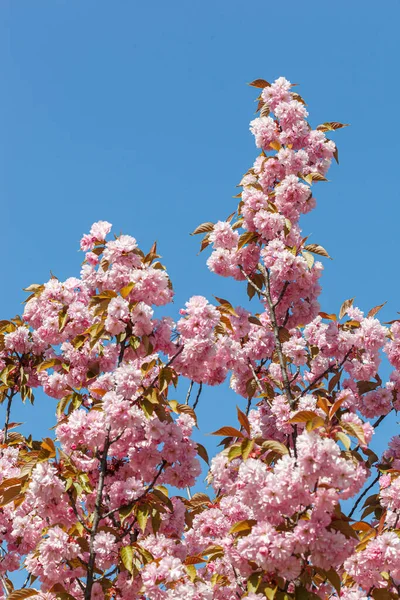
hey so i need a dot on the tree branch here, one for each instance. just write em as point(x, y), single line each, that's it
point(189, 392)
point(275, 329)
point(285, 287)
point(363, 494)
point(146, 491)
point(78, 517)
point(8, 413)
point(198, 396)
point(96, 517)
point(142, 495)
point(322, 375)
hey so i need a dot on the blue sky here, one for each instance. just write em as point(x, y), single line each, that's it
point(138, 112)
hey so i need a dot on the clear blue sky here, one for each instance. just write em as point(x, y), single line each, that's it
point(137, 113)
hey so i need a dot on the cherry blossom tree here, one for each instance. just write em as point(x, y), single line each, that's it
point(91, 513)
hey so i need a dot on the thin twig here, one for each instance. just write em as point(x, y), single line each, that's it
point(326, 372)
point(96, 517)
point(375, 425)
point(8, 413)
point(275, 328)
point(198, 396)
point(147, 490)
point(363, 494)
point(74, 508)
point(171, 360)
point(258, 383)
point(248, 407)
point(142, 495)
point(189, 392)
point(251, 282)
point(106, 575)
point(285, 287)
point(380, 419)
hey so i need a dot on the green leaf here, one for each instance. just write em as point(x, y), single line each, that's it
point(274, 446)
point(253, 582)
point(308, 258)
point(142, 516)
point(126, 554)
point(234, 452)
point(302, 593)
point(342, 437)
point(246, 448)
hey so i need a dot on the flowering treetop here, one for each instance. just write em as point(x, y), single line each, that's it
point(91, 516)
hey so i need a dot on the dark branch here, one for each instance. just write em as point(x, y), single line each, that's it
point(363, 494)
point(198, 396)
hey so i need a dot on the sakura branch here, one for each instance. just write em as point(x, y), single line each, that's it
point(98, 512)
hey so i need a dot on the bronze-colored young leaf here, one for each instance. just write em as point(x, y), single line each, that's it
point(203, 228)
point(193, 560)
point(260, 83)
point(9, 494)
point(48, 364)
point(311, 177)
point(200, 498)
point(335, 406)
point(228, 431)
point(202, 452)
point(366, 386)
point(243, 526)
point(243, 420)
point(265, 110)
point(355, 430)
point(375, 310)
point(23, 593)
point(284, 335)
point(49, 447)
point(303, 416)
point(336, 155)
point(226, 306)
point(331, 126)
point(345, 306)
point(247, 238)
point(328, 316)
point(275, 145)
point(317, 249)
point(126, 290)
